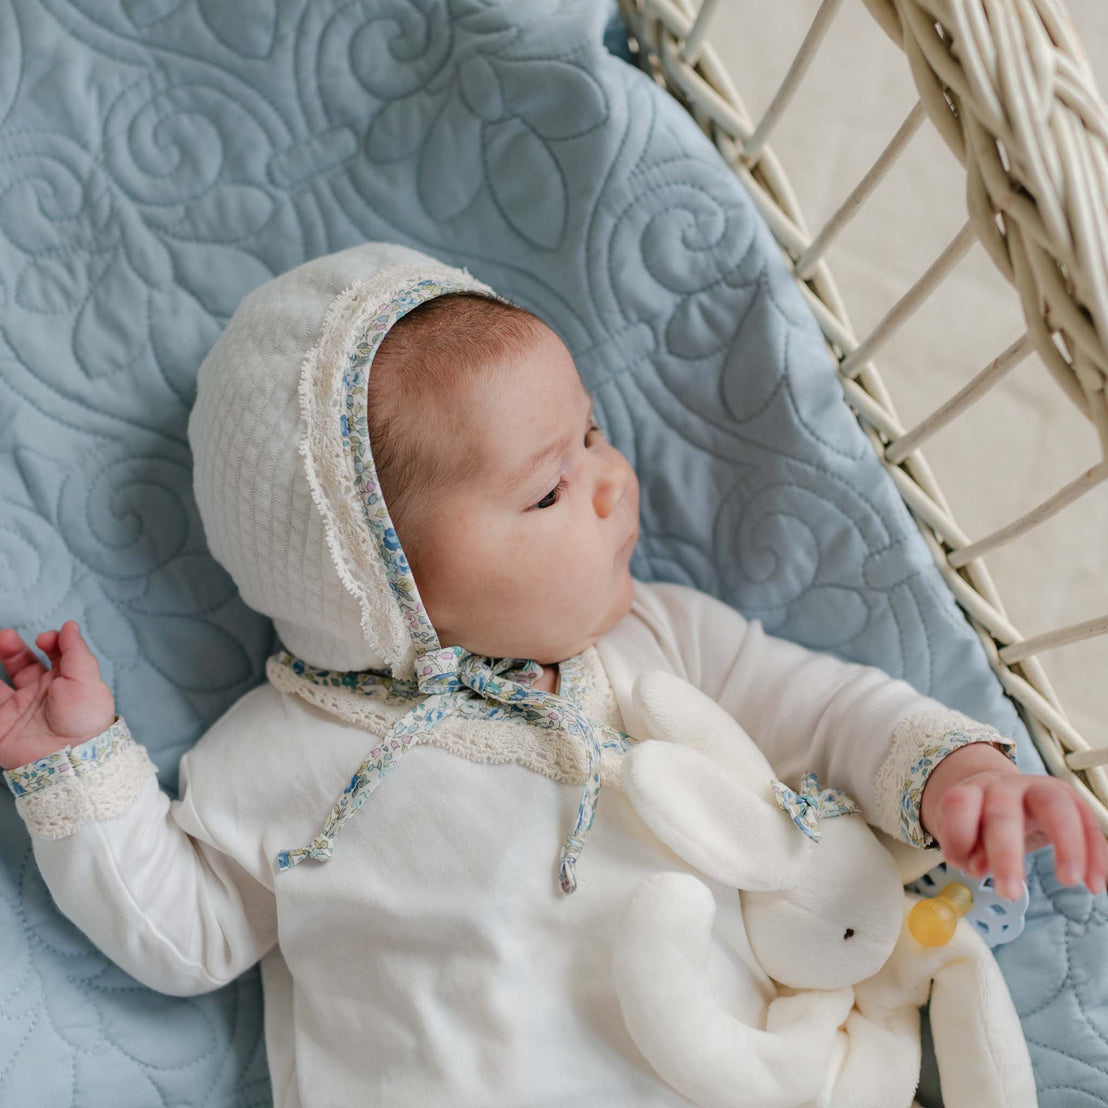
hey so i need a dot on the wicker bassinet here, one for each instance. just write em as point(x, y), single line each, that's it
point(1009, 89)
point(141, 116)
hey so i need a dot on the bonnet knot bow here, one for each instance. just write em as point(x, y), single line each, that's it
point(807, 805)
point(452, 669)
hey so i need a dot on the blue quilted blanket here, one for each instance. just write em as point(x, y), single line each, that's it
point(161, 158)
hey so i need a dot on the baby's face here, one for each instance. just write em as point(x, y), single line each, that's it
point(529, 558)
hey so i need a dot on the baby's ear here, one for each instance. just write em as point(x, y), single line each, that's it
point(707, 815)
point(678, 712)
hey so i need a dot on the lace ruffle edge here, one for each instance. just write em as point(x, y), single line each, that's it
point(98, 779)
point(555, 755)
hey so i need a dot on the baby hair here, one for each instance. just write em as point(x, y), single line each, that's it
point(421, 361)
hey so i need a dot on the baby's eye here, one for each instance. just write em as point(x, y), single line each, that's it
point(592, 427)
point(551, 498)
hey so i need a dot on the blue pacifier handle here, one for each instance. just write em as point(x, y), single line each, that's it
point(996, 919)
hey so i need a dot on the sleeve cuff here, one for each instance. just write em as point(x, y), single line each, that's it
point(97, 779)
point(919, 742)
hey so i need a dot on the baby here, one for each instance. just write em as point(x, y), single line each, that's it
point(457, 615)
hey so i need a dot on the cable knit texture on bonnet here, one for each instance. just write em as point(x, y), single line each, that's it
point(276, 501)
point(288, 494)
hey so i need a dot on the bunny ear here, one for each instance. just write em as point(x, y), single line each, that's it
point(672, 709)
point(707, 815)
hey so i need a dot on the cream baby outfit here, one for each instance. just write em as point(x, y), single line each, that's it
point(379, 822)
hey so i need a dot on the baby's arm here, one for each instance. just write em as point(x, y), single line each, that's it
point(878, 739)
point(136, 872)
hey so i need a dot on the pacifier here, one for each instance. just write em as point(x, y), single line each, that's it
point(952, 894)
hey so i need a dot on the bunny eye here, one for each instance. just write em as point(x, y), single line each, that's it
point(848, 933)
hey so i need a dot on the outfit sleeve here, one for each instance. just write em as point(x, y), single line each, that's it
point(859, 729)
point(137, 872)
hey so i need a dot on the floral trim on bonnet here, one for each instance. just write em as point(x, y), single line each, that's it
point(354, 424)
point(447, 677)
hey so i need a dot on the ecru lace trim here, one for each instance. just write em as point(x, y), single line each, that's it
point(108, 788)
point(919, 742)
point(547, 751)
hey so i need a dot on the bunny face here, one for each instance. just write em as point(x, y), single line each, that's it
point(838, 921)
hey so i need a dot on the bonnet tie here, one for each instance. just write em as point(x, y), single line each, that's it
point(450, 677)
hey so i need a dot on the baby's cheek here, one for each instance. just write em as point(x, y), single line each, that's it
point(562, 583)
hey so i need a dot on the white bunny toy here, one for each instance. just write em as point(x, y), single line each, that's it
point(824, 919)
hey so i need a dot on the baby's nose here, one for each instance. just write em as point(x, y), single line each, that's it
point(612, 487)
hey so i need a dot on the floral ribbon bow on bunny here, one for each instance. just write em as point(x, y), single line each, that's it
point(806, 806)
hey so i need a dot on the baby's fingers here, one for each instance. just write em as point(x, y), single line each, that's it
point(1096, 850)
point(978, 862)
point(960, 821)
point(18, 659)
point(1003, 835)
point(1051, 804)
point(77, 662)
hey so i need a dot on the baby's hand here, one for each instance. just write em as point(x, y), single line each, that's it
point(49, 709)
point(986, 815)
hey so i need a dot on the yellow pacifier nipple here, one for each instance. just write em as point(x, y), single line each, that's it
point(932, 922)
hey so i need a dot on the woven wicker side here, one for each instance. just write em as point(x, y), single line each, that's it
point(1017, 104)
point(1008, 87)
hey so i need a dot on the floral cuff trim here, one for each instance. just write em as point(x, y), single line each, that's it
point(919, 743)
point(97, 779)
point(70, 761)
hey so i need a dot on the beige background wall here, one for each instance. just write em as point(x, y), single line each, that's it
point(1024, 440)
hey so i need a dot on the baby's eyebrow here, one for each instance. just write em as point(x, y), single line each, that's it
point(537, 459)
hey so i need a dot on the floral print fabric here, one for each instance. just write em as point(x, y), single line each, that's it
point(806, 806)
point(502, 686)
point(354, 426)
point(70, 761)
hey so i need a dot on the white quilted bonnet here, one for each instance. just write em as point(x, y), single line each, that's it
point(271, 480)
